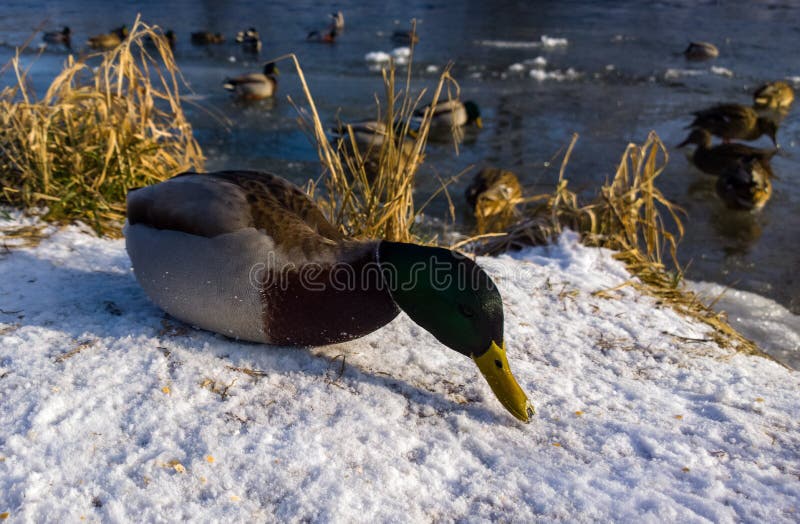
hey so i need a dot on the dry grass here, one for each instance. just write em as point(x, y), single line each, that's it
point(630, 216)
point(367, 191)
point(97, 132)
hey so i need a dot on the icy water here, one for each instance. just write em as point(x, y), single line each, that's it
point(617, 75)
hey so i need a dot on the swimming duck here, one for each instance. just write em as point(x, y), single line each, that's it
point(698, 51)
point(105, 41)
point(773, 95)
point(453, 113)
point(747, 186)
point(493, 184)
point(328, 37)
point(207, 37)
point(169, 38)
point(249, 255)
point(250, 40)
point(63, 37)
point(405, 37)
point(370, 136)
point(735, 121)
point(724, 157)
point(254, 86)
point(337, 21)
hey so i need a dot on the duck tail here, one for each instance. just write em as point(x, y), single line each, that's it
point(229, 85)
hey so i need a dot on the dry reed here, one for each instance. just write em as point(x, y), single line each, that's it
point(97, 132)
point(367, 189)
point(630, 216)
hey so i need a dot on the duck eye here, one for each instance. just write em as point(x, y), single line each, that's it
point(466, 310)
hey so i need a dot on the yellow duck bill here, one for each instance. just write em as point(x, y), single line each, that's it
point(494, 367)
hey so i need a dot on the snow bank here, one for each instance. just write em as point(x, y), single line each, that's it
point(111, 411)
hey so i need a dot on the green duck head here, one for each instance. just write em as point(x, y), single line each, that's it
point(270, 69)
point(473, 113)
point(455, 300)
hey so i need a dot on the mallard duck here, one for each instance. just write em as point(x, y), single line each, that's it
point(735, 121)
point(746, 186)
point(337, 21)
point(405, 37)
point(254, 86)
point(105, 41)
point(453, 113)
point(63, 37)
point(370, 136)
point(249, 39)
point(328, 37)
point(773, 95)
point(249, 255)
point(724, 157)
point(207, 38)
point(493, 184)
point(698, 51)
point(169, 38)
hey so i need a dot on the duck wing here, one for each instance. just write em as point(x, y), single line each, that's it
point(723, 115)
point(213, 204)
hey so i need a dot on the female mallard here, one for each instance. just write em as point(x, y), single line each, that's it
point(105, 41)
point(453, 113)
point(207, 38)
point(724, 157)
point(249, 255)
point(773, 95)
point(699, 51)
point(747, 186)
point(63, 37)
point(369, 136)
point(254, 86)
point(494, 185)
point(735, 121)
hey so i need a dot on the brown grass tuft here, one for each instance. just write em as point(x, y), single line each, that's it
point(97, 132)
point(630, 216)
point(367, 191)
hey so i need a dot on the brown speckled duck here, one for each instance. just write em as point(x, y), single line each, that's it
point(773, 95)
point(494, 184)
point(699, 51)
point(746, 186)
point(724, 157)
point(249, 255)
point(735, 121)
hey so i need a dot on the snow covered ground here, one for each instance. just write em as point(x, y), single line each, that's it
point(110, 411)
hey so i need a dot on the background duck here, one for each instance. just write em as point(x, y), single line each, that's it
point(453, 113)
point(109, 40)
point(63, 37)
point(249, 40)
point(370, 136)
point(724, 157)
point(327, 37)
point(493, 184)
point(337, 21)
point(105, 41)
point(699, 51)
point(228, 252)
point(730, 121)
point(207, 38)
point(773, 95)
point(254, 86)
point(405, 37)
point(745, 187)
